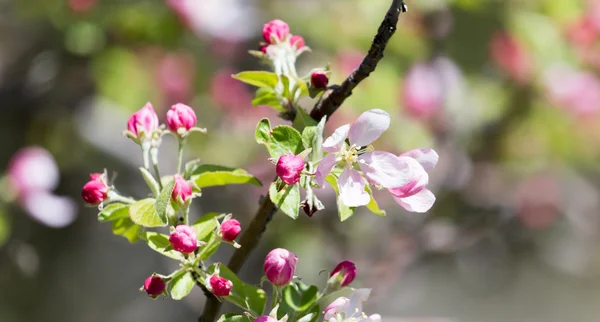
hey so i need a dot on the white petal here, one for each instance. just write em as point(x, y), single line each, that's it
point(418, 182)
point(420, 202)
point(368, 127)
point(324, 168)
point(50, 210)
point(375, 318)
point(387, 170)
point(339, 305)
point(428, 158)
point(352, 188)
point(336, 140)
point(357, 299)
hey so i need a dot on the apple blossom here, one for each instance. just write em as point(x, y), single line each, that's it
point(280, 266)
point(414, 196)
point(230, 229)
point(95, 191)
point(319, 80)
point(297, 42)
point(183, 239)
point(220, 286)
point(275, 31)
point(289, 167)
point(142, 123)
point(154, 286)
point(181, 118)
point(182, 191)
point(345, 309)
point(347, 270)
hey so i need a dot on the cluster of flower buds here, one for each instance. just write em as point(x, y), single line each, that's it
point(277, 33)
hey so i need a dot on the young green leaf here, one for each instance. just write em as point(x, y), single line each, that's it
point(312, 137)
point(303, 120)
point(263, 132)
point(344, 212)
point(205, 225)
point(283, 140)
point(298, 298)
point(163, 201)
point(212, 245)
point(267, 96)
point(160, 243)
point(127, 228)
point(247, 297)
point(113, 211)
point(150, 181)
point(144, 213)
point(181, 285)
point(210, 175)
point(234, 317)
point(258, 78)
point(190, 167)
point(288, 199)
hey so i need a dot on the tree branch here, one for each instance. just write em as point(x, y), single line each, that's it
point(325, 107)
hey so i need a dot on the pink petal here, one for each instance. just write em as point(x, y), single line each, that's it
point(428, 158)
point(336, 140)
point(368, 127)
point(324, 168)
point(420, 202)
point(387, 170)
point(352, 188)
point(417, 183)
point(50, 210)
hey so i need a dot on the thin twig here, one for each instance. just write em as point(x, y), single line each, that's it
point(325, 107)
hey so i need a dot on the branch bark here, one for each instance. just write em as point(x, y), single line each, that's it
point(325, 107)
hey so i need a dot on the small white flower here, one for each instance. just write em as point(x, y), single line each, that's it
point(345, 309)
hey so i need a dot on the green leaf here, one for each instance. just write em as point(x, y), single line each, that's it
point(267, 97)
point(205, 225)
point(181, 285)
point(263, 131)
point(286, 87)
point(4, 228)
point(113, 211)
point(163, 201)
point(234, 317)
point(303, 120)
point(288, 199)
point(298, 298)
point(247, 297)
point(312, 137)
point(258, 78)
point(160, 243)
point(210, 175)
point(150, 181)
point(190, 167)
point(372, 205)
point(144, 214)
point(344, 212)
point(212, 245)
point(127, 228)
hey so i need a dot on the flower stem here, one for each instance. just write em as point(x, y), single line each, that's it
point(154, 156)
point(116, 197)
point(180, 154)
point(186, 212)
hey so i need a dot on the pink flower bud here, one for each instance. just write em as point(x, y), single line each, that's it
point(154, 286)
point(95, 191)
point(280, 265)
point(265, 318)
point(32, 169)
point(319, 80)
point(289, 167)
point(347, 270)
point(297, 42)
point(230, 229)
point(180, 116)
point(275, 31)
point(143, 121)
point(183, 239)
point(220, 286)
point(182, 190)
point(263, 49)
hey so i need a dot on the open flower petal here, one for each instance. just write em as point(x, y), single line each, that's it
point(368, 127)
point(357, 299)
point(387, 170)
point(418, 182)
point(324, 168)
point(336, 140)
point(428, 158)
point(352, 188)
point(420, 202)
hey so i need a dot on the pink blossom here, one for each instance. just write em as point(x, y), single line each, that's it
point(289, 167)
point(183, 239)
point(230, 229)
point(423, 91)
point(181, 116)
point(319, 80)
point(345, 309)
point(81, 6)
point(275, 31)
point(265, 318)
point(576, 91)
point(414, 195)
point(220, 286)
point(347, 269)
point(379, 168)
point(95, 191)
point(510, 55)
point(297, 42)
point(154, 286)
point(49, 209)
point(182, 190)
point(280, 266)
point(32, 169)
point(175, 76)
point(143, 122)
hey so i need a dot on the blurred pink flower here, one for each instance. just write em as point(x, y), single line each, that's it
point(32, 169)
point(175, 76)
point(81, 6)
point(538, 201)
point(573, 90)
point(422, 92)
point(51, 210)
point(510, 55)
point(348, 60)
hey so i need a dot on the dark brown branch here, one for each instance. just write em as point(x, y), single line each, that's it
point(334, 99)
point(325, 107)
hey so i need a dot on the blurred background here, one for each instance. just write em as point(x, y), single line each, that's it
point(507, 92)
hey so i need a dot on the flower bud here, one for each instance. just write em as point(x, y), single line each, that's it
point(183, 239)
point(220, 286)
point(265, 318)
point(143, 122)
point(319, 80)
point(275, 31)
point(230, 229)
point(263, 49)
point(289, 167)
point(154, 286)
point(297, 42)
point(95, 191)
point(280, 265)
point(179, 117)
point(182, 190)
point(347, 270)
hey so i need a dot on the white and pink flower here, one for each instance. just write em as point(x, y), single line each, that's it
point(349, 147)
point(414, 196)
point(345, 309)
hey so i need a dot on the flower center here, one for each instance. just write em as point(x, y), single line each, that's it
point(350, 154)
